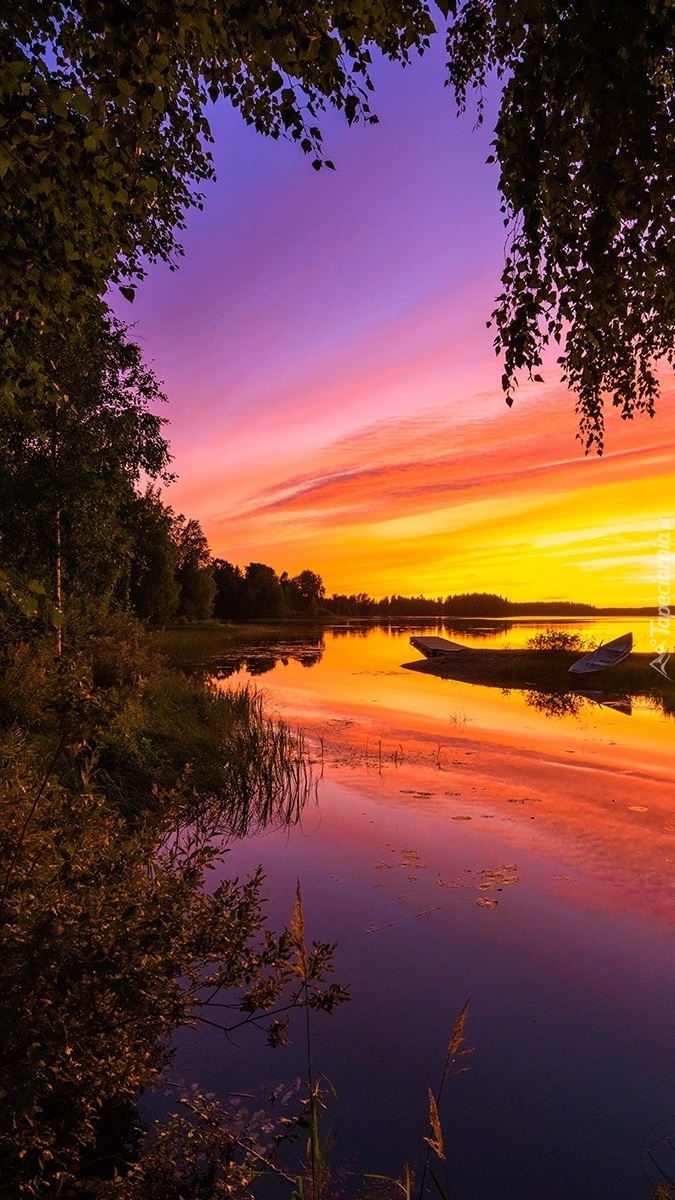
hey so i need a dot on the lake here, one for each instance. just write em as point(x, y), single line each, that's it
point(465, 843)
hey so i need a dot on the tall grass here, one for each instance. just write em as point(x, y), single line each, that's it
point(268, 770)
point(435, 1140)
point(216, 749)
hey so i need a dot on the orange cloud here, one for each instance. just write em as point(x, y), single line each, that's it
point(466, 497)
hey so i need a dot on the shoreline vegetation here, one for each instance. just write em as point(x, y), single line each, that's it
point(258, 592)
point(121, 783)
point(547, 672)
point(219, 649)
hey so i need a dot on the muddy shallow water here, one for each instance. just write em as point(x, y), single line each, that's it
point(466, 844)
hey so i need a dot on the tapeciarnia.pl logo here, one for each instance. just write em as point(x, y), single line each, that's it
point(659, 630)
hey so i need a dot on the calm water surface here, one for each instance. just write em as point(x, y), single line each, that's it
point(464, 843)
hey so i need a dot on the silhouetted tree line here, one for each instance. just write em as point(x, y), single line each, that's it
point(258, 592)
point(76, 521)
point(171, 571)
point(74, 518)
point(361, 605)
point(461, 604)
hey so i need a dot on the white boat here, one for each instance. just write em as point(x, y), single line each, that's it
point(435, 647)
point(605, 655)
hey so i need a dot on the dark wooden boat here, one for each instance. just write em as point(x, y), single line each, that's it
point(604, 656)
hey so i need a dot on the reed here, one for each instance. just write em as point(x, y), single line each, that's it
point(217, 749)
point(434, 1142)
point(311, 1182)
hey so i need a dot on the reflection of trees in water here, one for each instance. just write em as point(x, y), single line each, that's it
point(563, 704)
point(555, 704)
point(482, 629)
point(264, 656)
point(263, 663)
point(664, 704)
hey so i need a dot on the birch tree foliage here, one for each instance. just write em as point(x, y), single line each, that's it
point(105, 137)
point(69, 469)
point(585, 141)
point(105, 143)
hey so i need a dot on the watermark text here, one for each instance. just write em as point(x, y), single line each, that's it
point(660, 629)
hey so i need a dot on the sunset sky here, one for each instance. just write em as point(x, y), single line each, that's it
point(334, 395)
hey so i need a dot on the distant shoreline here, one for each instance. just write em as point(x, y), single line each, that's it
point(518, 611)
point(325, 619)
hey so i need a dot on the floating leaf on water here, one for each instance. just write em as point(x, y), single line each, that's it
point(411, 860)
point(500, 875)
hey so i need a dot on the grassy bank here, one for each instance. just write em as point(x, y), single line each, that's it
point(120, 784)
point(548, 671)
point(191, 645)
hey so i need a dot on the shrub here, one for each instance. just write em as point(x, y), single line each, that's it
point(559, 639)
point(108, 942)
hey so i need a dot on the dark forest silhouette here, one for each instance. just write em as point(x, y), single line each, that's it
point(257, 592)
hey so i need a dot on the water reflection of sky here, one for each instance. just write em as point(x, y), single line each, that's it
point(570, 998)
point(360, 676)
point(467, 845)
point(597, 629)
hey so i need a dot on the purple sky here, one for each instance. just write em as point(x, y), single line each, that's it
point(334, 395)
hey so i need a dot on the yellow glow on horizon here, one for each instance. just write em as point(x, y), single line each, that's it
point(435, 502)
point(528, 546)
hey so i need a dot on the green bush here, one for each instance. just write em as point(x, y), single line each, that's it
point(108, 942)
point(559, 639)
point(119, 781)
